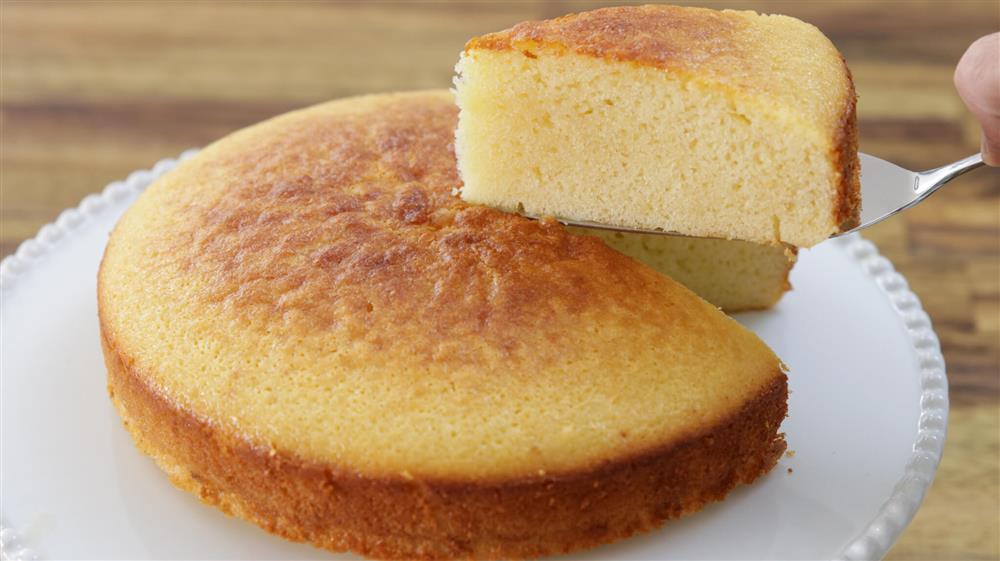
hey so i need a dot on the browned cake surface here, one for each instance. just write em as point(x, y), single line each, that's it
point(668, 37)
point(306, 328)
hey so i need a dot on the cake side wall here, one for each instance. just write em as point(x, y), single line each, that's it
point(382, 518)
point(845, 161)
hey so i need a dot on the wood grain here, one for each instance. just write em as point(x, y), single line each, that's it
point(90, 91)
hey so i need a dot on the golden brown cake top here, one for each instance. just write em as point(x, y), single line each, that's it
point(788, 62)
point(313, 283)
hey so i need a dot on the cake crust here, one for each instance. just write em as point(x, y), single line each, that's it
point(667, 37)
point(845, 158)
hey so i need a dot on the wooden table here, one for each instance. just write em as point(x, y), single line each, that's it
point(91, 91)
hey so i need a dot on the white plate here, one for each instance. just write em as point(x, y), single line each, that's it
point(867, 421)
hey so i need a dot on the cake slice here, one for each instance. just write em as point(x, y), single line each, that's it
point(718, 124)
point(733, 275)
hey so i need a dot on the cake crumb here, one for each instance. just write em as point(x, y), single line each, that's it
point(790, 470)
point(790, 453)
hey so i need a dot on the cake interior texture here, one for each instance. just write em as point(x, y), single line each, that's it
point(719, 124)
point(304, 327)
point(734, 275)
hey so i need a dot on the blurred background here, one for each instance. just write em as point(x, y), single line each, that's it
point(90, 91)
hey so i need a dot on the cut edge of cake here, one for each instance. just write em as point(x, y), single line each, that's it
point(733, 275)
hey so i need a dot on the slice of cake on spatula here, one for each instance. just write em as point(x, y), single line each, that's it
point(706, 123)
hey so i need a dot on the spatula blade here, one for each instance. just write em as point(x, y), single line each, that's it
point(885, 189)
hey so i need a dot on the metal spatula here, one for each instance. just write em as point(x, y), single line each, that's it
point(886, 189)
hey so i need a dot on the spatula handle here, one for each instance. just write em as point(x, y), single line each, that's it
point(932, 179)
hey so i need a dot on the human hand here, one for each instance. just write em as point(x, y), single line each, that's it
point(977, 79)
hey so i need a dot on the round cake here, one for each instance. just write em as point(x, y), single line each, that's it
point(305, 327)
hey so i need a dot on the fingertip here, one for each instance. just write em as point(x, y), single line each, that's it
point(977, 74)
